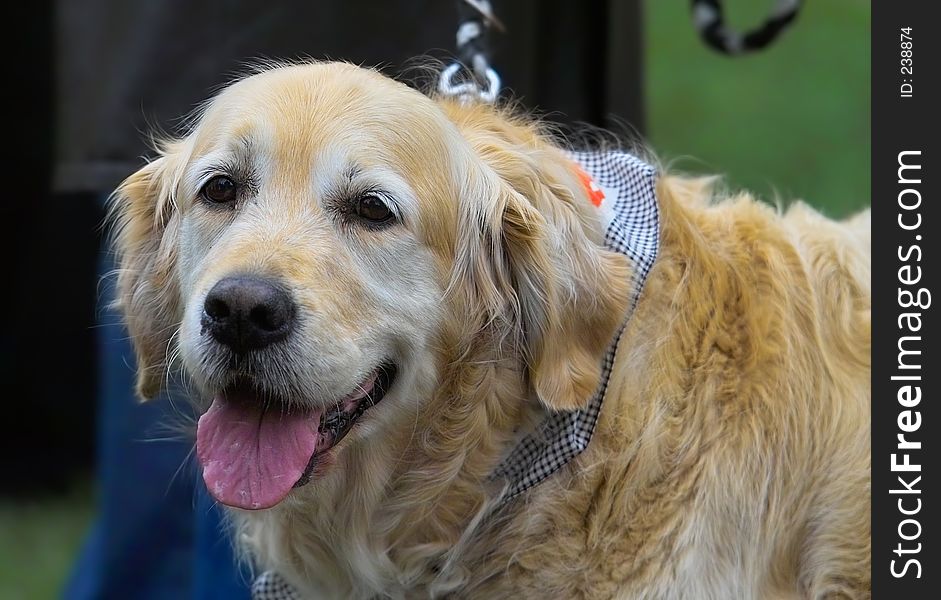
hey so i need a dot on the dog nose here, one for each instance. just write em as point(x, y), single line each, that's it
point(247, 313)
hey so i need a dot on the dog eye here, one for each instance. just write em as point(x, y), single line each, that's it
point(371, 208)
point(220, 190)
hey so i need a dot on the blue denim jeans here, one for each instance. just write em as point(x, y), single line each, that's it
point(157, 535)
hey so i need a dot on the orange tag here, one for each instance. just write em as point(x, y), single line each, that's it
point(595, 194)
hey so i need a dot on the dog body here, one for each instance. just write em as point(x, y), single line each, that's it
point(731, 458)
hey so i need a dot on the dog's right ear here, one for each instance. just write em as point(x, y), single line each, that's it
point(146, 227)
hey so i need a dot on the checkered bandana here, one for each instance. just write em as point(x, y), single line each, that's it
point(271, 586)
point(623, 188)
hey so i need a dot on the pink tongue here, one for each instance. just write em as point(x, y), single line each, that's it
point(252, 460)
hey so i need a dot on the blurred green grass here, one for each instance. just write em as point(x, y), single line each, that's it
point(793, 120)
point(39, 540)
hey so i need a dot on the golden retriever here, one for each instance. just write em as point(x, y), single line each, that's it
point(326, 240)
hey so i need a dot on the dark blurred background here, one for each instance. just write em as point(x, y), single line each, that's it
point(789, 122)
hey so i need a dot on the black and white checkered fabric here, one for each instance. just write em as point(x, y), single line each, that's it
point(271, 586)
point(632, 227)
point(630, 212)
point(631, 217)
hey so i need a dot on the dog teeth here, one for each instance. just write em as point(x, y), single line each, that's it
point(332, 422)
point(337, 421)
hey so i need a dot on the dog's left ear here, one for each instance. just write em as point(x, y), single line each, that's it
point(540, 268)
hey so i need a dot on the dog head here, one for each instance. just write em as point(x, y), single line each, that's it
point(325, 239)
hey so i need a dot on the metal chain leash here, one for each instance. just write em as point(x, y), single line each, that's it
point(471, 77)
point(709, 21)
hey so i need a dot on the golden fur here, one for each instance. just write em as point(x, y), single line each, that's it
point(732, 455)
